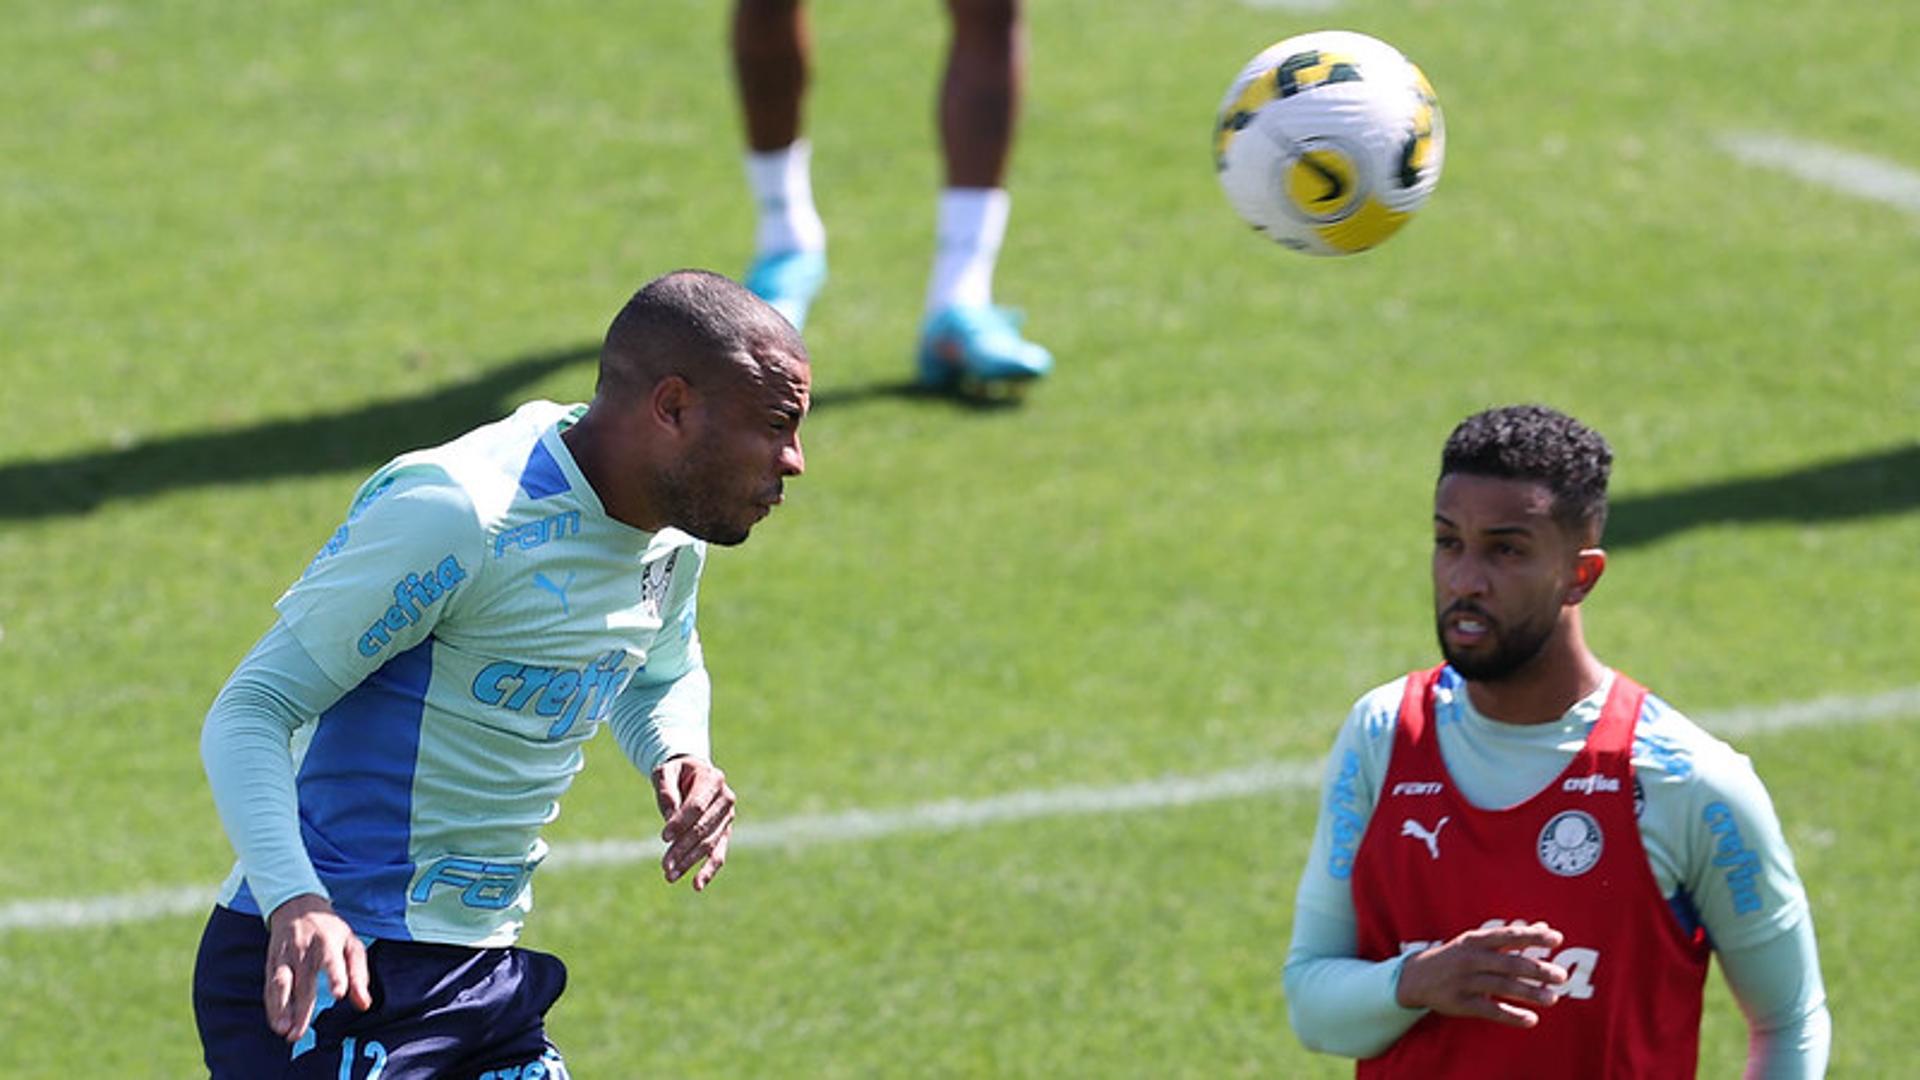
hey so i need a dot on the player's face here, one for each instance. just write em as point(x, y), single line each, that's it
point(1501, 569)
point(748, 442)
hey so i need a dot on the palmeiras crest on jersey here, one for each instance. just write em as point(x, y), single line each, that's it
point(1570, 844)
point(654, 583)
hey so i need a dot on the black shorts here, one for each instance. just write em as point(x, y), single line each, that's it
point(438, 1011)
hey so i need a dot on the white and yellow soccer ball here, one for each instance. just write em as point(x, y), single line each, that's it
point(1329, 142)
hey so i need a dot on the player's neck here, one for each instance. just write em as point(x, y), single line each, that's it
point(594, 447)
point(1543, 689)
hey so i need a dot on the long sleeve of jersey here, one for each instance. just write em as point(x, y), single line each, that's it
point(1740, 873)
point(663, 712)
point(1340, 1004)
point(1336, 1002)
point(1709, 829)
point(245, 747)
point(297, 671)
point(1777, 983)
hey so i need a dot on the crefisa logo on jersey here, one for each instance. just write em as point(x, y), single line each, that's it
point(1570, 843)
point(1731, 852)
point(412, 596)
point(1343, 810)
point(1591, 784)
point(567, 694)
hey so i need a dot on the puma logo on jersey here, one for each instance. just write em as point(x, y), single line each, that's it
point(1420, 832)
point(542, 581)
point(1579, 962)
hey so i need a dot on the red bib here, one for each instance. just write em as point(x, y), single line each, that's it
point(1432, 866)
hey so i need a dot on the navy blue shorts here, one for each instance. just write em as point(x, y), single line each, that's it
point(438, 1011)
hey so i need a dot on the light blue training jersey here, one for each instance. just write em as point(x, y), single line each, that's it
point(485, 612)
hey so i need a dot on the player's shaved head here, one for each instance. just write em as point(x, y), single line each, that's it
point(698, 325)
point(1533, 442)
point(695, 421)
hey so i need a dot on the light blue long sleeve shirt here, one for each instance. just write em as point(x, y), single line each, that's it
point(1697, 792)
point(400, 737)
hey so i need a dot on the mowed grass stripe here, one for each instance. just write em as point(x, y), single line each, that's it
point(1846, 171)
point(856, 826)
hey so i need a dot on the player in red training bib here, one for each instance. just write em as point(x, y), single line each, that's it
point(1523, 858)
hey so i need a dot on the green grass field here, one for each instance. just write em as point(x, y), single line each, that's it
point(251, 251)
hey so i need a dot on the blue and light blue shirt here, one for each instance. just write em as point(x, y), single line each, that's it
point(473, 622)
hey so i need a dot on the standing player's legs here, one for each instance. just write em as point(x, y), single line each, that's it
point(965, 336)
point(771, 50)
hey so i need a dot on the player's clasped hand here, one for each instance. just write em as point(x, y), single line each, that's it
point(1482, 973)
point(306, 941)
point(698, 807)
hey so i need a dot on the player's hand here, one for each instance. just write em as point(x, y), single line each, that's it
point(698, 805)
point(305, 942)
point(1482, 974)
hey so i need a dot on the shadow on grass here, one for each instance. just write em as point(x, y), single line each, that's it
point(1879, 483)
point(362, 438)
point(1874, 484)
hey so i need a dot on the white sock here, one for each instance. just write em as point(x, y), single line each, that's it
point(782, 183)
point(973, 221)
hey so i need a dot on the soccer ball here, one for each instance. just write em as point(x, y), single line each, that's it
point(1328, 142)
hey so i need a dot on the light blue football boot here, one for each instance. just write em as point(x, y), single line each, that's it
point(977, 349)
point(788, 280)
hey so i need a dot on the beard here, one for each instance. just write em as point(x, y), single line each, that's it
point(715, 530)
point(696, 506)
point(1514, 648)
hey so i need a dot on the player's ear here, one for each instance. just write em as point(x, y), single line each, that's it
point(670, 402)
point(1588, 565)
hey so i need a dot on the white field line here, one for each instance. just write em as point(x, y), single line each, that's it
point(1291, 5)
point(1828, 166)
point(954, 815)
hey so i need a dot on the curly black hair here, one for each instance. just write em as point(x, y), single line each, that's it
point(1534, 442)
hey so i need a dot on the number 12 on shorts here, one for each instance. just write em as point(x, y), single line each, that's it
point(373, 1051)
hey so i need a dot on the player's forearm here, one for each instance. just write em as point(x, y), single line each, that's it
point(1337, 1002)
point(1796, 1051)
point(1346, 1006)
point(244, 746)
point(1778, 986)
point(656, 722)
